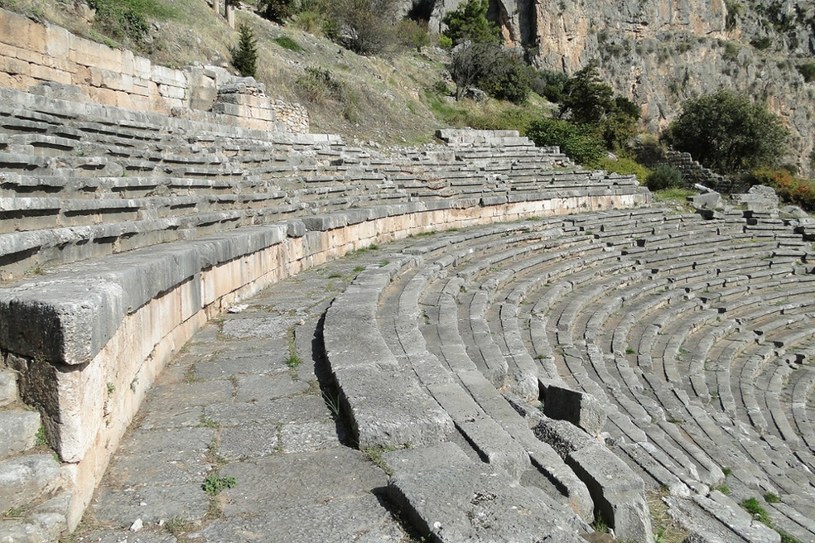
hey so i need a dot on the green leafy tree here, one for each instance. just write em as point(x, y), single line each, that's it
point(276, 10)
point(245, 55)
point(501, 73)
point(367, 27)
point(729, 133)
point(579, 142)
point(469, 23)
point(587, 99)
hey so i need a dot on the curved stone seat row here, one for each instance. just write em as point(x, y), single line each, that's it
point(643, 340)
point(78, 180)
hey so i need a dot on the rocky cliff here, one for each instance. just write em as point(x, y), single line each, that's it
point(661, 52)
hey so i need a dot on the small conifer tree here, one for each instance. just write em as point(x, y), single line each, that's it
point(245, 55)
point(469, 23)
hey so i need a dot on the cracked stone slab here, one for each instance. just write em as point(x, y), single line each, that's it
point(151, 504)
point(360, 519)
point(151, 456)
point(300, 478)
point(473, 503)
point(287, 410)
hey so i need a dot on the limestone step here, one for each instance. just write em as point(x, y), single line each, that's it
point(40, 523)
point(25, 479)
point(8, 387)
point(450, 498)
point(18, 431)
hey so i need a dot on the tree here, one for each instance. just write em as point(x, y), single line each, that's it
point(469, 23)
point(245, 55)
point(367, 27)
point(497, 71)
point(276, 10)
point(587, 98)
point(729, 133)
point(578, 141)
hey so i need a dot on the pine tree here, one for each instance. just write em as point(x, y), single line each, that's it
point(469, 23)
point(245, 55)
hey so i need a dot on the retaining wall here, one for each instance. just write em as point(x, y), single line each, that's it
point(35, 55)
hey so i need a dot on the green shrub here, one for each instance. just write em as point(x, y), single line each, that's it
point(310, 21)
point(501, 73)
point(578, 142)
point(664, 177)
point(366, 27)
point(761, 43)
point(729, 133)
point(319, 86)
point(469, 23)
point(624, 166)
point(731, 51)
point(245, 54)
point(413, 34)
point(808, 71)
point(550, 84)
point(287, 43)
point(276, 10)
point(127, 19)
point(445, 42)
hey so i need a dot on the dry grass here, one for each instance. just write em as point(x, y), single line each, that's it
point(666, 529)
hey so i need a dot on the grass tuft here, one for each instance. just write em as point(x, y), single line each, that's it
point(287, 43)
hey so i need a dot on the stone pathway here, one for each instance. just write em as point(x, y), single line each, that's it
point(238, 442)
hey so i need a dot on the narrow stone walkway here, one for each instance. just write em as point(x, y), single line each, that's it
point(238, 442)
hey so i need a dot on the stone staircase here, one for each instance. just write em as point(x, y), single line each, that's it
point(32, 498)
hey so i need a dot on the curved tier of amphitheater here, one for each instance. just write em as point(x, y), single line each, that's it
point(475, 340)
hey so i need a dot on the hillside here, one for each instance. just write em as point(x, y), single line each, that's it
point(661, 52)
point(392, 100)
point(658, 53)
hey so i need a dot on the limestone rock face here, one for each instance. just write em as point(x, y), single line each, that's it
point(661, 52)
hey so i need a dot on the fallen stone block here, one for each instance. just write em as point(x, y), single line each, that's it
point(618, 492)
point(573, 406)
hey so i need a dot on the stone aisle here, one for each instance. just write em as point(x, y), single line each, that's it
point(242, 407)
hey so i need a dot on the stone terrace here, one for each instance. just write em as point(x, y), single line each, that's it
point(124, 233)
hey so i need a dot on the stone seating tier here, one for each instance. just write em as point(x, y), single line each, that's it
point(483, 294)
point(123, 232)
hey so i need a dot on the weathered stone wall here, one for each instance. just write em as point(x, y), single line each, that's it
point(35, 55)
point(693, 172)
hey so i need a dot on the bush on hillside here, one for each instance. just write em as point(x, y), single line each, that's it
point(366, 27)
point(664, 177)
point(550, 84)
point(729, 133)
point(499, 72)
point(245, 54)
point(469, 23)
point(127, 19)
point(276, 10)
point(413, 34)
point(578, 142)
point(788, 187)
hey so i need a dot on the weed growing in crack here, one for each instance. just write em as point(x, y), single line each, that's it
point(214, 484)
